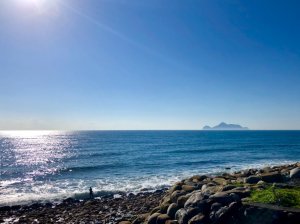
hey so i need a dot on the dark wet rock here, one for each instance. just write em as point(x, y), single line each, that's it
point(221, 214)
point(172, 210)
point(252, 179)
point(295, 173)
point(182, 216)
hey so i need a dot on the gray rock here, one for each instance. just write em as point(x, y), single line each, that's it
point(181, 216)
point(251, 180)
point(172, 210)
point(295, 173)
point(194, 200)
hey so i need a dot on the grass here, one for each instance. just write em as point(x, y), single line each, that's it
point(287, 197)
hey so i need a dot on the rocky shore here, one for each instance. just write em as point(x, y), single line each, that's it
point(260, 196)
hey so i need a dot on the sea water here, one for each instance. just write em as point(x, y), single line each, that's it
point(53, 165)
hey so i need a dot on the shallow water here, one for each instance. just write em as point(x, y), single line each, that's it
point(51, 165)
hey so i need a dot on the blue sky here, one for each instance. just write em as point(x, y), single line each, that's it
point(99, 64)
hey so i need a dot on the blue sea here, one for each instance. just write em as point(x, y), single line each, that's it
point(53, 165)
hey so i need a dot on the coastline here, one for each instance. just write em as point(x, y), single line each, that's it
point(154, 207)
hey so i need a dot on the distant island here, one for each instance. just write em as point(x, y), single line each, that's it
point(224, 126)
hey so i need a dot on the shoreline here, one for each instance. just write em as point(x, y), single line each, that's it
point(141, 206)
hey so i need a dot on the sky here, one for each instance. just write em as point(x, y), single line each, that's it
point(139, 65)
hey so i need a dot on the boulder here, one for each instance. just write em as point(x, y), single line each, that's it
point(164, 207)
point(172, 210)
point(295, 173)
point(194, 200)
point(274, 177)
point(224, 198)
point(215, 206)
point(181, 216)
point(176, 194)
point(197, 219)
point(125, 222)
point(161, 219)
point(221, 214)
point(251, 179)
point(171, 222)
point(175, 187)
point(188, 188)
point(152, 218)
point(228, 187)
point(220, 181)
point(182, 200)
point(155, 210)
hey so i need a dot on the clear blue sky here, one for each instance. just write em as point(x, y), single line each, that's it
point(99, 64)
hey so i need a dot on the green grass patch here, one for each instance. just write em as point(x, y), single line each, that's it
point(288, 197)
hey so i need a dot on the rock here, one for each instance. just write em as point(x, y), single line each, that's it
point(155, 210)
point(221, 214)
point(152, 218)
point(251, 180)
point(197, 219)
point(194, 200)
point(125, 222)
point(240, 191)
point(161, 219)
point(228, 187)
point(182, 200)
point(198, 177)
point(175, 187)
point(272, 177)
point(295, 173)
point(171, 222)
point(140, 219)
point(188, 188)
point(192, 212)
point(164, 207)
point(181, 216)
point(234, 206)
point(220, 181)
point(223, 197)
point(261, 182)
point(175, 195)
point(4, 208)
point(215, 206)
point(172, 210)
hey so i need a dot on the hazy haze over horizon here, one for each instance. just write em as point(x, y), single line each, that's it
point(141, 65)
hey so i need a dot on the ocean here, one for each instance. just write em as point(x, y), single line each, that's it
point(40, 166)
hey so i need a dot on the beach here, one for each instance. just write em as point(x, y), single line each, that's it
point(224, 198)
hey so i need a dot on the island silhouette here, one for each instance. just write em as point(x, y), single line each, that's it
point(225, 126)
